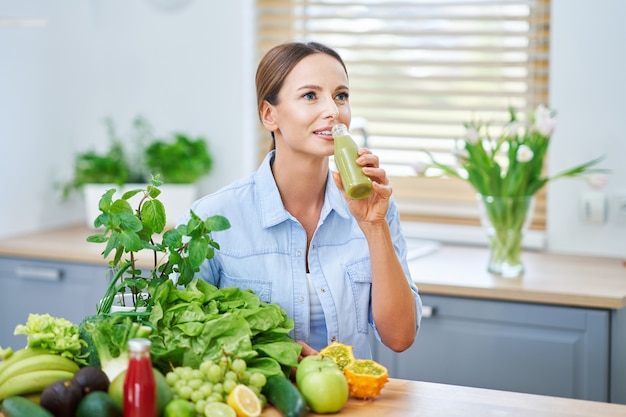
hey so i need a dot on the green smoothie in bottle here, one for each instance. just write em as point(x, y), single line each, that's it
point(356, 184)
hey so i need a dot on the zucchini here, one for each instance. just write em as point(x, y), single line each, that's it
point(284, 396)
point(22, 407)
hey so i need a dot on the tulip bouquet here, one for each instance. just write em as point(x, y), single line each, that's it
point(506, 171)
point(511, 164)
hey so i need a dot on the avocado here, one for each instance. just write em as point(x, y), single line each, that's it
point(98, 404)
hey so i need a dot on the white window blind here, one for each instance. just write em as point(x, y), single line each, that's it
point(418, 70)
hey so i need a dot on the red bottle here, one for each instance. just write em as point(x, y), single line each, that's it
point(139, 384)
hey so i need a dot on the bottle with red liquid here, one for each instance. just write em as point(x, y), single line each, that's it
point(139, 384)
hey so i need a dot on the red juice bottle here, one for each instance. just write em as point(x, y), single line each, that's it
point(139, 384)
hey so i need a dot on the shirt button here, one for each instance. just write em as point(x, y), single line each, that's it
point(312, 246)
point(323, 289)
point(301, 299)
point(298, 253)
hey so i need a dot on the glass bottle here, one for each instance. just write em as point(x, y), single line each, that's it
point(356, 184)
point(139, 384)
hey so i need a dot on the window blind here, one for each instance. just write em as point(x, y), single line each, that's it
point(418, 71)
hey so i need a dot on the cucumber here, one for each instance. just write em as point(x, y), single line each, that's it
point(23, 407)
point(285, 396)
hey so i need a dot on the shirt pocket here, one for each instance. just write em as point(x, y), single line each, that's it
point(359, 275)
point(261, 288)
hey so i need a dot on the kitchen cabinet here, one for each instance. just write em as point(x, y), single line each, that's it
point(560, 330)
point(61, 289)
point(524, 347)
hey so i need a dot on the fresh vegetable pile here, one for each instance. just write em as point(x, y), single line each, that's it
point(200, 322)
point(221, 351)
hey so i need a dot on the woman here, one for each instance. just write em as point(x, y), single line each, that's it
point(335, 265)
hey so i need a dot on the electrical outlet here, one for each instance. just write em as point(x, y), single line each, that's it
point(619, 208)
point(594, 207)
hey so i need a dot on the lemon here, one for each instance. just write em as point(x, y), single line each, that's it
point(244, 401)
point(218, 409)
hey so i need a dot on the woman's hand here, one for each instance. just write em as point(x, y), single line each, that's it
point(373, 208)
point(306, 351)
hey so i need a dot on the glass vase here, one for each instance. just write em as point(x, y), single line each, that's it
point(506, 219)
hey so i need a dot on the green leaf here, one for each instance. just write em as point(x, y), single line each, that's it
point(121, 206)
point(99, 238)
point(284, 353)
point(173, 239)
point(197, 251)
point(129, 222)
point(130, 240)
point(266, 366)
point(153, 214)
point(105, 201)
point(216, 223)
point(112, 243)
point(131, 193)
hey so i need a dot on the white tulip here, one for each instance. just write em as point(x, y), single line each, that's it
point(544, 120)
point(524, 153)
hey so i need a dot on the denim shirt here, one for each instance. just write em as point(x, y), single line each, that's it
point(264, 250)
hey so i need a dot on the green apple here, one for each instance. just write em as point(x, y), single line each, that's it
point(179, 408)
point(325, 389)
point(311, 363)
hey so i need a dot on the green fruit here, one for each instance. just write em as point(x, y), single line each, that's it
point(22, 407)
point(313, 363)
point(179, 408)
point(164, 391)
point(98, 404)
point(325, 390)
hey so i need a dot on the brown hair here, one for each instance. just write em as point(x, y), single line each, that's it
point(276, 65)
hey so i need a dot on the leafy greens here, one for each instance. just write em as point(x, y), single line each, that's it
point(201, 322)
point(55, 334)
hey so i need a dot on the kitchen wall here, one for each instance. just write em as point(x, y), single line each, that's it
point(193, 67)
point(189, 68)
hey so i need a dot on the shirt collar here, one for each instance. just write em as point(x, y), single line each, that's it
point(270, 205)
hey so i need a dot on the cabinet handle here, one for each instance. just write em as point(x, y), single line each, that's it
point(428, 311)
point(40, 274)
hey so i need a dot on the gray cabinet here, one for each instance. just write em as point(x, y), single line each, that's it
point(61, 289)
point(533, 348)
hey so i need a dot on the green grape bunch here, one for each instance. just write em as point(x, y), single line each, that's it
point(213, 381)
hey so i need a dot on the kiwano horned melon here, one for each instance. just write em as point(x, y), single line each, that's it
point(340, 353)
point(366, 378)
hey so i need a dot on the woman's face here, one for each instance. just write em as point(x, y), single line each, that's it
point(313, 98)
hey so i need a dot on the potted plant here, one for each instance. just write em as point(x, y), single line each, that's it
point(110, 167)
point(180, 162)
point(128, 164)
point(175, 254)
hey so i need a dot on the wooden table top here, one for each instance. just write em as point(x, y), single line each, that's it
point(583, 281)
point(426, 399)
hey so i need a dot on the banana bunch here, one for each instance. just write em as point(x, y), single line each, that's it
point(28, 371)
